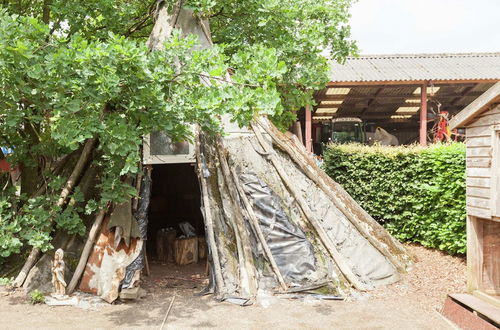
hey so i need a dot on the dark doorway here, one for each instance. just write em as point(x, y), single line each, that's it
point(175, 199)
point(175, 202)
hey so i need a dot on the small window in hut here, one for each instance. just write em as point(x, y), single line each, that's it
point(159, 148)
point(495, 172)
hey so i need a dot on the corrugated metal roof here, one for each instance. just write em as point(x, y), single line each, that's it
point(417, 67)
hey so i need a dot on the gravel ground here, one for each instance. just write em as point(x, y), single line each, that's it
point(433, 276)
point(408, 304)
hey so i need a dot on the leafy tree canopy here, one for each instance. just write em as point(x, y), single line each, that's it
point(71, 70)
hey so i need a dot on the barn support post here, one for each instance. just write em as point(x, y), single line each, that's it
point(423, 114)
point(308, 134)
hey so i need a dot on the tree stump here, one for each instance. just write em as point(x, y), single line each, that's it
point(165, 239)
point(186, 250)
point(202, 247)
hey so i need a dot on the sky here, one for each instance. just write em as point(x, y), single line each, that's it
point(426, 26)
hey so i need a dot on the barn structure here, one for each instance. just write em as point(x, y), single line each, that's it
point(400, 93)
point(481, 120)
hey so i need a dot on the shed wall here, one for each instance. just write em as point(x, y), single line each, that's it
point(479, 159)
point(483, 226)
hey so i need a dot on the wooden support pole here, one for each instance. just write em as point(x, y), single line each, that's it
point(260, 235)
point(325, 239)
point(89, 244)
point(308, 124)
point(423, 114)
point(164, 24)
point(68, 187)
point(247, 265)
point(358, 218)
point(216, 267)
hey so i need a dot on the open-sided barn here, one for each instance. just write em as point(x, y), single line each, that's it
point(401, 93)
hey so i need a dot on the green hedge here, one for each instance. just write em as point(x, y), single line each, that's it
point(417, 193)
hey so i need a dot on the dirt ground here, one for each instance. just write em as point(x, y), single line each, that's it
point(408, 304)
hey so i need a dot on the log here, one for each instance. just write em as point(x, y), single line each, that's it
point(244, 282)
point(138, 181)
point(30, 262)
point(68, 187)
point(238, 219)
point(260, 235)
point(77, 171)
point(165, 246)
point(89, 244)
point(209, 225)
point(325, 239)
point(186, 250)
point(202, 248)
point(164, 24)
point(331, 190)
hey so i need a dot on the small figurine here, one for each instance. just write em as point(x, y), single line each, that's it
point(58, 273)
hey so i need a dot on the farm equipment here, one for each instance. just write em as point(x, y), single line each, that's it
point(347, 130)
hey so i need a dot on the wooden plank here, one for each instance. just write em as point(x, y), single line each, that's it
point(480, 141)
point(474, 255)
point(478, 182)
point(477, 212)
point(495, 178)
point(482, 192)
point(494, 108)
point(481, 307)
point(481, 203)
point(478, 131)
point(491, 258)
point(466, 115)
point(478, 152)
point(478, 172)
point(493, 300)
point(461, 316)
point(478, 162)
point(486, 120)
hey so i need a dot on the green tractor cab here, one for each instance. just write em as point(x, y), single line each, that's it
point(347, 130)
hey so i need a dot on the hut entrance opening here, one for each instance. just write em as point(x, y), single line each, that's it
point(176, 245)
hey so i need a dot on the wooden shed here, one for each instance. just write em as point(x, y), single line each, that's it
point(481, 120)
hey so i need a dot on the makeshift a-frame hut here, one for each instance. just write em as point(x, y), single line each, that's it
point(273, 220)
point(481, 120)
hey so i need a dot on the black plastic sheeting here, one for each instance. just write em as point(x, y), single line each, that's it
point(293, 253)
point(141, 216)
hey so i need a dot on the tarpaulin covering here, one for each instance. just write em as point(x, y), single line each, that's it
point(141, 217)
point(367, 263)
point(289, 246)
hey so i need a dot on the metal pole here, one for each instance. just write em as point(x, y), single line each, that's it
point(423, 114)
point(308, 129)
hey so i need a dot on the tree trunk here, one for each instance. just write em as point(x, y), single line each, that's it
point(68, 187)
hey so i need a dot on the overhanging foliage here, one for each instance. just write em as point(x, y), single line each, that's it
point(75, 70)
